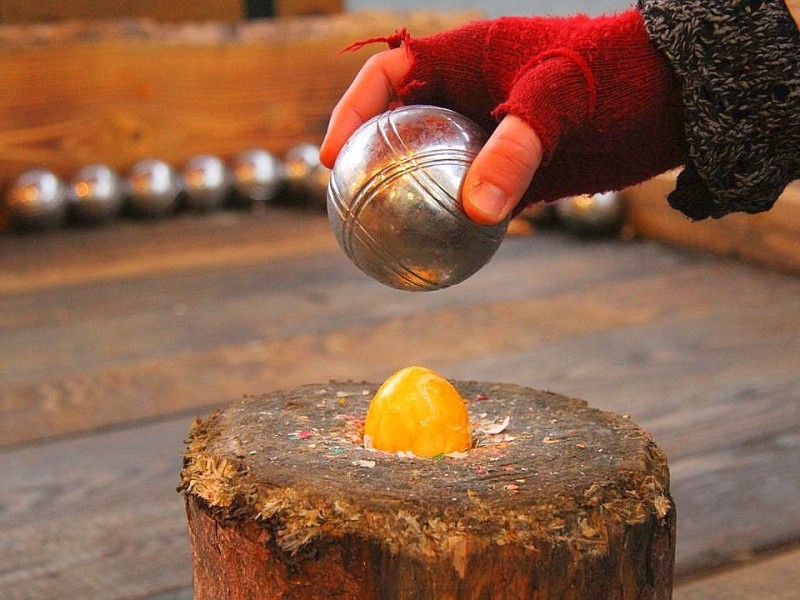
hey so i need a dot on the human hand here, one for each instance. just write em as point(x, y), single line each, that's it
point(574, 105)
point(500, 173)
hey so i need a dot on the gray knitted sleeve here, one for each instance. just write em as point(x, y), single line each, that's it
point(738, 64)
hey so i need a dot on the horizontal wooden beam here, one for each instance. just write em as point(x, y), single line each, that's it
point(307, 7)
point(24, 11)
point(771, 239)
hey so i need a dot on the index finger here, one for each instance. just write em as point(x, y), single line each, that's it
point(370, 94)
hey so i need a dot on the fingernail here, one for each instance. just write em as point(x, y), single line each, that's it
point(489, 200)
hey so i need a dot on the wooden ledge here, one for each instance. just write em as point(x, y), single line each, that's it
point(771, 239)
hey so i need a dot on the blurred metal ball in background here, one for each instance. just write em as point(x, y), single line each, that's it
point(257, 175)
point(206, 182)
point(394, 199)
point(36, 200)
point(153, 188)
point(306, 177)
point(592, 215)
point(95, 194)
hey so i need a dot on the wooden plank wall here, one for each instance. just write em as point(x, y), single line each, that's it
point(76, 93)
point(287, 8)
point(24, 11)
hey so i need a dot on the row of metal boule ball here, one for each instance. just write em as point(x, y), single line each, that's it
point(152, 188)
point(586, 215)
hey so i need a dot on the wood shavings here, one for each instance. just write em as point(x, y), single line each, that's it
point(490, 428)
point(457, 455)
point(663, 505)
point(487, 431)
point(211, 478)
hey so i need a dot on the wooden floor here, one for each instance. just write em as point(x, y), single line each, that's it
point(112, 340)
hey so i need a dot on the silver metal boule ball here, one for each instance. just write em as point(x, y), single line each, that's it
point(95, 194)
point(153, 188)
point(257, 175)
point(592, 214)
point(306, 176)
point(206, 182)
point(393, 199)
point(36, 200)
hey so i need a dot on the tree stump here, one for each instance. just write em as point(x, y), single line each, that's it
point(555, 500)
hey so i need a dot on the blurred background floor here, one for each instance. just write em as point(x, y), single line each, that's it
point(113, 339)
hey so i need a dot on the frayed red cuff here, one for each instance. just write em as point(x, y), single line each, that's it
point(395, 40)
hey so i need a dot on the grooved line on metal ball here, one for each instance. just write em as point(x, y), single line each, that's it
point(403, 154)
point(349, 232)
point(398, 169)
point(402, 271)
point(399, 189)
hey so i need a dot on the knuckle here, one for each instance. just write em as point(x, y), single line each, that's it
point(375, 62)
point(509, 155)
point(520, 152)
point(356, 113)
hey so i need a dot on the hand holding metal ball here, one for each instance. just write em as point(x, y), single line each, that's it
point(393, 199)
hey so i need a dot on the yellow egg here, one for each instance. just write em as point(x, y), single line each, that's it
point(417, 410)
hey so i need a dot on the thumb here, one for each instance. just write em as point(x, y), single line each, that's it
point(501, 172)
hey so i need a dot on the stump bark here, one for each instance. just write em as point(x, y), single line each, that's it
point(555, 500)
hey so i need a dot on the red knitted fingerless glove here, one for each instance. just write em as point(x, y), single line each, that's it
point(599, 96)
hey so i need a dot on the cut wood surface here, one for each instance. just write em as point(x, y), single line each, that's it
point(112, 340)
point(554, 500)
